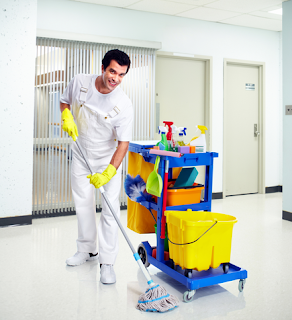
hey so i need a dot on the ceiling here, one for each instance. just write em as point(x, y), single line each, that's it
point(247, 13)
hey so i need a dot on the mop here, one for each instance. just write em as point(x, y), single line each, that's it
point(156, 298)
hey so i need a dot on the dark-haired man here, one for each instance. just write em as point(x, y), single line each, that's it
point(103, 114)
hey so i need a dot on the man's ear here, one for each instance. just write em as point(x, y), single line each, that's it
point(102, 69)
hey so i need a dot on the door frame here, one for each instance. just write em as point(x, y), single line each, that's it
point(261, 123)
point(208, 85)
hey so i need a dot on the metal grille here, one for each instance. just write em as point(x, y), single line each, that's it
point(57, 62)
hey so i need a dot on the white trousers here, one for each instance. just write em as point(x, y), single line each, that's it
point(84, 198)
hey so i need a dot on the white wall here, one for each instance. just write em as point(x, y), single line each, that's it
point(186, 36)
point(287, 100)
point(17, 44)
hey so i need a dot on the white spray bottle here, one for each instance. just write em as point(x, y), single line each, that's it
point(182, 132)
point(200, 141)
point(174, 145)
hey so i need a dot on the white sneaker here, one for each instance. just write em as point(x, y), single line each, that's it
point(107, 274)
point(81, 257)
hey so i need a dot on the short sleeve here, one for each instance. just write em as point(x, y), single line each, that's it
point(124, 126)
point(67, 95)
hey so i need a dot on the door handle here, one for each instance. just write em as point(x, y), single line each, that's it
point(256, 132)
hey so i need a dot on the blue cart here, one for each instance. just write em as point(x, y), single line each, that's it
point(192, 279)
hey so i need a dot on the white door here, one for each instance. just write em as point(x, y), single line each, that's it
point(180, 96)
point(241, 110)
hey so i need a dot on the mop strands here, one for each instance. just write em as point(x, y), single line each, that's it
point(156, 299)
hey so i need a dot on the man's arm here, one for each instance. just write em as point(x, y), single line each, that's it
point(63, 106)
point(120, 153)
point(99, 179)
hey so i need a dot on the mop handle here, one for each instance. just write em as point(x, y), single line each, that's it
point(136, 255)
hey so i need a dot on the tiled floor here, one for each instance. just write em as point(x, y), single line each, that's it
point(36, 284)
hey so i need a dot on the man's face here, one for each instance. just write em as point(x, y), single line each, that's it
point(113, 75)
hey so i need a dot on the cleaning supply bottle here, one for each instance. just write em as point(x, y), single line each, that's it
point(182, 132)
point(200, 141)
point(169, 133)
point(163, 144)
point(174, 144)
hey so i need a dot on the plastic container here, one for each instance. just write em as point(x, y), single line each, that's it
point(182, 196)
point(211, 234)
point(166, 248)
point(200, 141)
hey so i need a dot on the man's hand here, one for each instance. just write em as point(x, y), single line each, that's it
point(99, 179)
point(69, 124)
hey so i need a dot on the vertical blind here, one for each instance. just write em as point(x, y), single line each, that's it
point(56, 63)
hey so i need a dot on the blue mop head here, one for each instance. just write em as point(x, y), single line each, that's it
point(135, 189)
point(156, 299)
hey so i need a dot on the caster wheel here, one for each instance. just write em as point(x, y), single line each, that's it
point(143, 255)
point(171, 264)
point(241, 285)
point(188, 273)
point(225, 267)
point(189, 296)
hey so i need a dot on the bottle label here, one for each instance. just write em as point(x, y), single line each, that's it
point(199, 149)
point(161, 146)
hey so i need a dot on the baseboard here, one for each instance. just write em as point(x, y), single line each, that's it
point(217, 195)
point(286, 215)
point(17, 221)
point(46, 214)
point(273, 189)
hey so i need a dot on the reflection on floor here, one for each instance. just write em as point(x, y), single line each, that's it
point(36, 284)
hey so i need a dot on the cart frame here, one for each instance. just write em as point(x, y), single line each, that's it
point(192, 279)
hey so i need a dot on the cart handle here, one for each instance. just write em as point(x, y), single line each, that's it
point(182, 244)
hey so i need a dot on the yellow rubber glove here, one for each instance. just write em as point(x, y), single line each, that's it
point(69, 124)
point(99, 179)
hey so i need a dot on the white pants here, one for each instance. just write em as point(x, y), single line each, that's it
point(84, 198)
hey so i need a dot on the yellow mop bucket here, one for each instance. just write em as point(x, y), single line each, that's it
point(199, 239)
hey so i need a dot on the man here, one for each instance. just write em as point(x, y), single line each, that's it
point(104, 116)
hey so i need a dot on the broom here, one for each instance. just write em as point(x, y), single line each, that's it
point(156, 298)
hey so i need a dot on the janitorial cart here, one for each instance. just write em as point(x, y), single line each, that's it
point(193, 244)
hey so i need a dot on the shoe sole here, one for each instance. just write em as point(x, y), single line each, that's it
point(108, 282)
point(83, 261)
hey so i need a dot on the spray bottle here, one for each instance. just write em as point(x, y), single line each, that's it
point(163, 144)
point(182, 132)
point(200, 142)
point(174, 144)
point(169, 134)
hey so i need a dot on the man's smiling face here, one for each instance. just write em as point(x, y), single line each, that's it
point(113, 75)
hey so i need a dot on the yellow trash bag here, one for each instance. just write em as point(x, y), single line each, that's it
point(139, 219)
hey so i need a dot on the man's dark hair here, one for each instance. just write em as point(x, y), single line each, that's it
point(121, 57)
